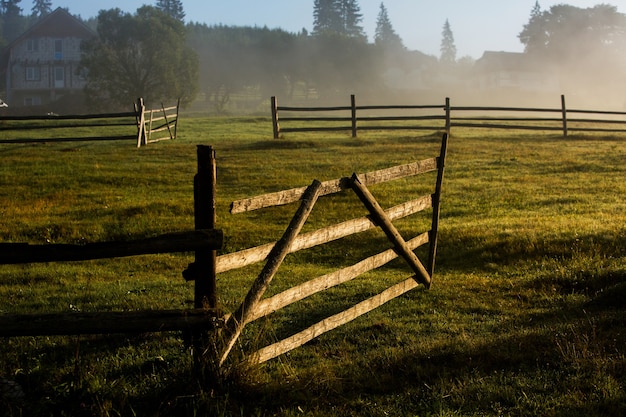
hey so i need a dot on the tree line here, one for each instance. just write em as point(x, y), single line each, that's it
point(154, 54)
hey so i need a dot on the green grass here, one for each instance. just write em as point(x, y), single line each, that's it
point(525, 315)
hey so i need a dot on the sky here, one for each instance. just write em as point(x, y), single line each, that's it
point(477, 25)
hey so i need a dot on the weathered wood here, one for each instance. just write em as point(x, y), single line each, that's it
point(390, 230)
point(17, 253)
point(205, 288)
point(274, 110)
point(238, 320)
point(334, 186)
point(107, 322)
point(332, 322)
point(250, 256)
point(292, 295)
point(353, 115)
point(141, 122)
point(564, 114)
point(434, 230)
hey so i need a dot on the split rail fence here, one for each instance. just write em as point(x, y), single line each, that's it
point(442, 116)
point(101, 127)
point(205, 240)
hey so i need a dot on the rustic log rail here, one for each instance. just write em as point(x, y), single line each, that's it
point(204, 240)
point(486, 117)
point(144, 123)
point(255, 307)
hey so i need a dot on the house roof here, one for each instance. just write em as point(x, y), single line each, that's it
point(58, 24)
point(505, 61)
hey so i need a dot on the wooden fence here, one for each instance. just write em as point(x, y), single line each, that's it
point(204, 240)
point(254, 306)
point(165, 118)
point(444, 117)
point(105, 127)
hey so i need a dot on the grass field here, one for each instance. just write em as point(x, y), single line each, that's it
point(525, 316)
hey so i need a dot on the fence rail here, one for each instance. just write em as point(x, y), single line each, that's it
point(144, 123)
point(204, 241)
point(447, 116)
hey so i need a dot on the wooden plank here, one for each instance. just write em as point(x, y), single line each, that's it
point(236, 322)
point(390, 230)
point(72, 139)
point(17, 253)
point(434, 229)
point(324, 282)
point(332, 322)
point(250, 256)
point(70, 117)
point(107, 322)
point(334, 186)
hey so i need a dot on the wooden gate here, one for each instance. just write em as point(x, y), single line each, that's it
point(255, 306)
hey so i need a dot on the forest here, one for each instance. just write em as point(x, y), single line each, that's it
point(222, 69)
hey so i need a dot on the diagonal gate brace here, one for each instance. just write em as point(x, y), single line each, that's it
point(380, 217)
point(236, 322)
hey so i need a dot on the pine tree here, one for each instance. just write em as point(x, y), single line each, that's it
point(385, 36)
point(41, 8)
point(12, 19)
point(534, 36)
point(351, 18)
point(326, 17)
point(448, 49)
point(173, 8)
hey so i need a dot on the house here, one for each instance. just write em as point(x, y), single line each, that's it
point(514, 72)
point(42, 65)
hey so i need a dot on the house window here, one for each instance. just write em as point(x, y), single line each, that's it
point(59, 77)
point(33, 74)
point(58, 49)
point(32, 101)
point(32, 45)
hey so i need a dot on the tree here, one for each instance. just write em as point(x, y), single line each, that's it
point(141, 55)
point(351, 17)
point(41, 8)
point(338, 17)
point(534, 35)
point(566, 33)
point(385, 36)
point(174, 8)
point(13, 21)
point(326, 17)
point(448, 49)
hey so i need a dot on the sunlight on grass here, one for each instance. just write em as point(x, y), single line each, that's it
point(525, 315)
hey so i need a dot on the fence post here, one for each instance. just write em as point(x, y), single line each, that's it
point(140, 108)
point(204, 273)
point(176, 121)
point(448, 121)
point(167, 122)
point(434, 230)
point(564, 112)
point(353, 111)
point(275, 125)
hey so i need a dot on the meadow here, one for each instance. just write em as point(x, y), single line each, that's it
point(525, 315)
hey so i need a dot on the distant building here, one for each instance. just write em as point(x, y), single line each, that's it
point(41, 66)
point(514, 72)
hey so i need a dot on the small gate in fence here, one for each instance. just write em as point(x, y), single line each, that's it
point(156, 121)
point(255, 306)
